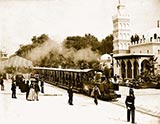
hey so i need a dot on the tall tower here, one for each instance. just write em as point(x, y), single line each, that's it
point(121, 29)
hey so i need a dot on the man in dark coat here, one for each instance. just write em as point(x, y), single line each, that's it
point(42, 86)
point(27, 88)
point(1, 82)
point(130, 105)
point(37, 89)
point(70, 94)
point(13, 88)
point(96, 92)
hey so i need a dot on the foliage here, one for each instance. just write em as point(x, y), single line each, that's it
point(148, 75)
point(106, 45)
point(55, 58)
point(78, 42)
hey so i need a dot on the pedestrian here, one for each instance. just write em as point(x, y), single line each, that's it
point(96, 92)
point(130, 105)
point(70, 95)
point(42, 86)
point(27, 88)
point(2, 83)
point(13, 88)
point(37, 89)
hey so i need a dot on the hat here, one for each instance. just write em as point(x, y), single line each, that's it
point(131, 91)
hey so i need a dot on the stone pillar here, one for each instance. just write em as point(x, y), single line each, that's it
point(132, 67)
point(139, 64)
point(126, 68)
point(119, 69)
point(139, 68)
point(132, 72)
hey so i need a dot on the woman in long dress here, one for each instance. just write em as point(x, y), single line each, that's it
point(31, 92)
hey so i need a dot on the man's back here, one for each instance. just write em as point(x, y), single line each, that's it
point(130, 101)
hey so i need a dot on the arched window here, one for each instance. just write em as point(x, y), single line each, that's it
point(124, 25)
point(127, 25)
point(128, 36)
point(125, 36)
point(120, 46)
point(121, 26)
point(121, 36)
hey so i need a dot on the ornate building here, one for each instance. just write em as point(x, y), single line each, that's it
point(132, 53)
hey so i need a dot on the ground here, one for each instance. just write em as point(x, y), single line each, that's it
point(52, 107)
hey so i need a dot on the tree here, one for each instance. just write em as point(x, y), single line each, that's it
point(78, 42)
point(148, 75)
point(106, 45)
point(92, 41)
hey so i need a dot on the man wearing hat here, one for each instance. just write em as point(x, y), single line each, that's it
point(130, 105)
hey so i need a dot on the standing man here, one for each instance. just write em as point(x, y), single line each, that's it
point(96, 92)
point(130, 106)
point(70, 95)
point(27, 89)
point(42, 86)
point(37, 89)
point(13, 88)
point(1, 82)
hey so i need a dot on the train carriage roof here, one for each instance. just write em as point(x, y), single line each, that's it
point(60, 69)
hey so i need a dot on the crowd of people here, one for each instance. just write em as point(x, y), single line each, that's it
point(29, 86)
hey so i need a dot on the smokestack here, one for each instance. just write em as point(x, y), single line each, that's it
point(158, 24)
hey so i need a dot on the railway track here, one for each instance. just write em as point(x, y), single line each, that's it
point(138, 109)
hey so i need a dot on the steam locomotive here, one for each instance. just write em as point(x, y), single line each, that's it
point(82, 81)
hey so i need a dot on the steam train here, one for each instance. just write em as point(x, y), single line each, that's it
point(82, 81)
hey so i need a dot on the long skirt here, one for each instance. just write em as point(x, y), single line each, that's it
point(31, 94)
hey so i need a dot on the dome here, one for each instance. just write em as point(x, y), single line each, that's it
point(105, 57)
point(154, 32)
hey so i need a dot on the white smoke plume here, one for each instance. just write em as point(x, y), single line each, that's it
point(43, 50)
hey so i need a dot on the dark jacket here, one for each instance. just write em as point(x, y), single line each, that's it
point(130, 102)
point(70, 92)
point(1, 81)
point(37, 89)
point(13, 87)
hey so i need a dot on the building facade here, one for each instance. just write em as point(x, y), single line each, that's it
point(132, 53)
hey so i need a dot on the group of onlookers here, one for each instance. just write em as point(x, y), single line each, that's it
point(29, 86)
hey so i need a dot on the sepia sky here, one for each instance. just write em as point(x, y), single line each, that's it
point(20, 20)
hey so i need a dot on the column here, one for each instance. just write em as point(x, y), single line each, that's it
point(139, 64)
point(126, 68)
point(132, 64)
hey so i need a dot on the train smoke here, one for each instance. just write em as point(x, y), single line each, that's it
point(43, 50)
